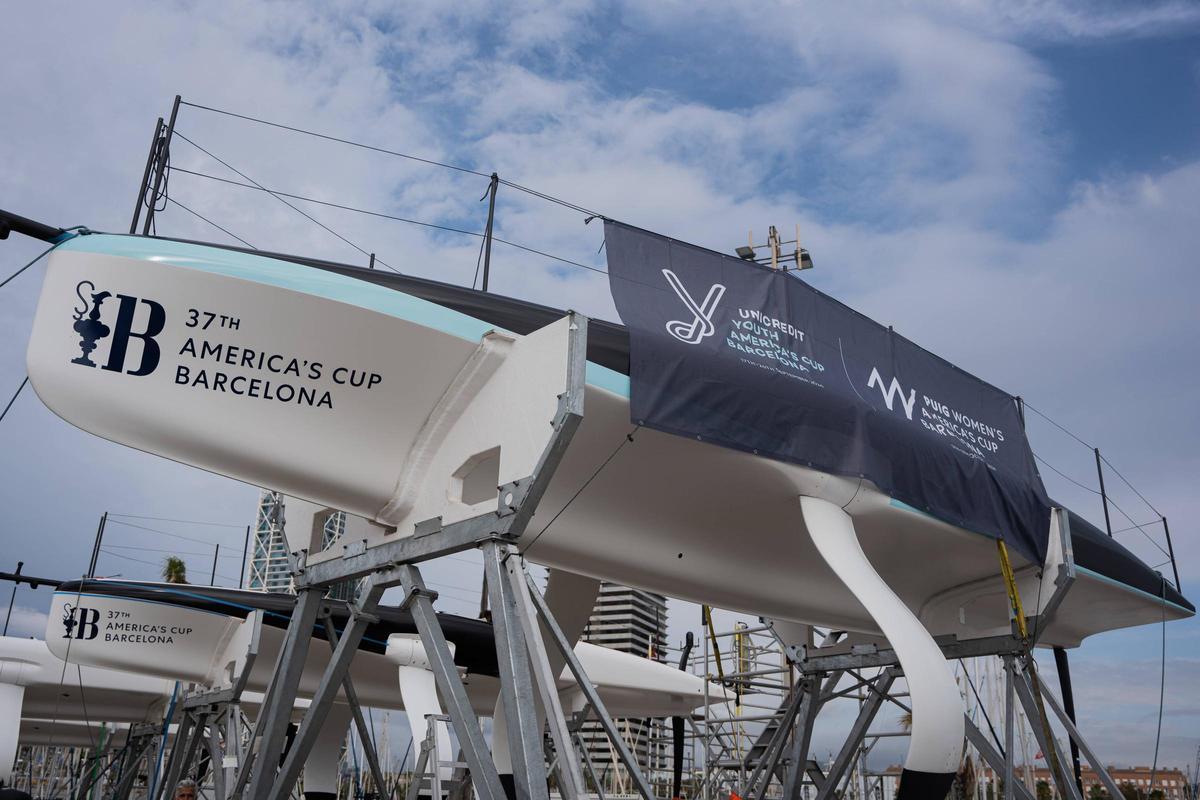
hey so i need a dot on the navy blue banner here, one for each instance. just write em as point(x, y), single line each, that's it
point(755, 359)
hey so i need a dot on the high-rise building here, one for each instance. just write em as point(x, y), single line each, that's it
point(632, 621)
point(268, 569)
point(629, 620)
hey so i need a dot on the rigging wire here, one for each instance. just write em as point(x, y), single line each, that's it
point(63, 675)
point(12, 400)
point(392, 217)
point(350, 142)
point(1107, 498)
point(181, 521)
point(1065, 476)
point(1162, 681)
point(311, 218)
point(982, 707)
point(1131, 486)
point(151, 201)
point(156, 530)
point(482, 241)
point(1135, 526)
point(511, 184)
point(328, 203)
point(225, 231)
point(83, 704)
point(551, 198)
point(1055, 424)
point(236, 556)
point(478, 261)
point(1140, 529)
point(30, 264)
point(628, 438)
point(156, 564)
point(1132, 525)
point(130, 558)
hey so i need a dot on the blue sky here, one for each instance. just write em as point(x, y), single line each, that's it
point(1128, 105)
point(1013, 185)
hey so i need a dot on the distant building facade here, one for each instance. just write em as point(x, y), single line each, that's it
point(629, 620)
point(1171, 782)
point(632, 621)
point(267, 569)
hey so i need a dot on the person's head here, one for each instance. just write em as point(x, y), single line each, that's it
point(185, 789)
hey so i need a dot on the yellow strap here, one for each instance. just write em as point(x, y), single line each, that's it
point(712, 637)
point(1014, 597)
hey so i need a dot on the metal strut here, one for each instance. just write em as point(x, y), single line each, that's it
point(270, 729)
point(526, 677)
point(1021, 685)
point(589, 691)
point(516, 681)
point(365, 734)
point(335, 675)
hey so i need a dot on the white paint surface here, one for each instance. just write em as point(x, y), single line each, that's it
point(418, 688)
point(936, 742)
point(11, 699)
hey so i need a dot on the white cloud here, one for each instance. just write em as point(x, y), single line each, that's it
point(1073, 20)
point(908, 140)
point(27, 622)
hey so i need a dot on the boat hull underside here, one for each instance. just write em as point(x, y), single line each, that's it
point(667, 514)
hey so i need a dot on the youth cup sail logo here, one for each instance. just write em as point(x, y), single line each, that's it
point(92, 329)
point(701, 325)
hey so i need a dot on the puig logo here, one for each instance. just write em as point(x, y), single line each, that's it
point(701, 325)
point(91, 329)
point(890, 392)
point(80, 622)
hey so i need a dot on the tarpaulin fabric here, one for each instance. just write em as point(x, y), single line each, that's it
point(747, 357)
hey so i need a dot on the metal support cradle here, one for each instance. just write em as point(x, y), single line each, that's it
point(782, 764)
point(525, 632)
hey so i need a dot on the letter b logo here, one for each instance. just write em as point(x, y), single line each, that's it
point(82, 623)
point(91, 329)
point(123, 331)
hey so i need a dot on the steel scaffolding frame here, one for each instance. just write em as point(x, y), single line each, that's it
point(777, 764)
point(525, 630)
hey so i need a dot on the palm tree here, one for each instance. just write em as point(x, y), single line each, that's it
point(174, 570)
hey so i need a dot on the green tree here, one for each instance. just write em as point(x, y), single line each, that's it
point(174, 570)
point(1043, 791)
point(1129, 790)
point(1098, 792)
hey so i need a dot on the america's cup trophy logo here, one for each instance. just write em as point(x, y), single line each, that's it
point(68, 620)
point(80, 622)
point(90, 329)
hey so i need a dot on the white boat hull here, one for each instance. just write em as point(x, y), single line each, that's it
point(176, 642)
point(443, 407)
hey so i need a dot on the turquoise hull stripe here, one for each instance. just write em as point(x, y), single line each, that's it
point(1149, 596)
point(1084, 570)
point(154, 602)
point(903, 506)
point(205, 598)
point(319, 283)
